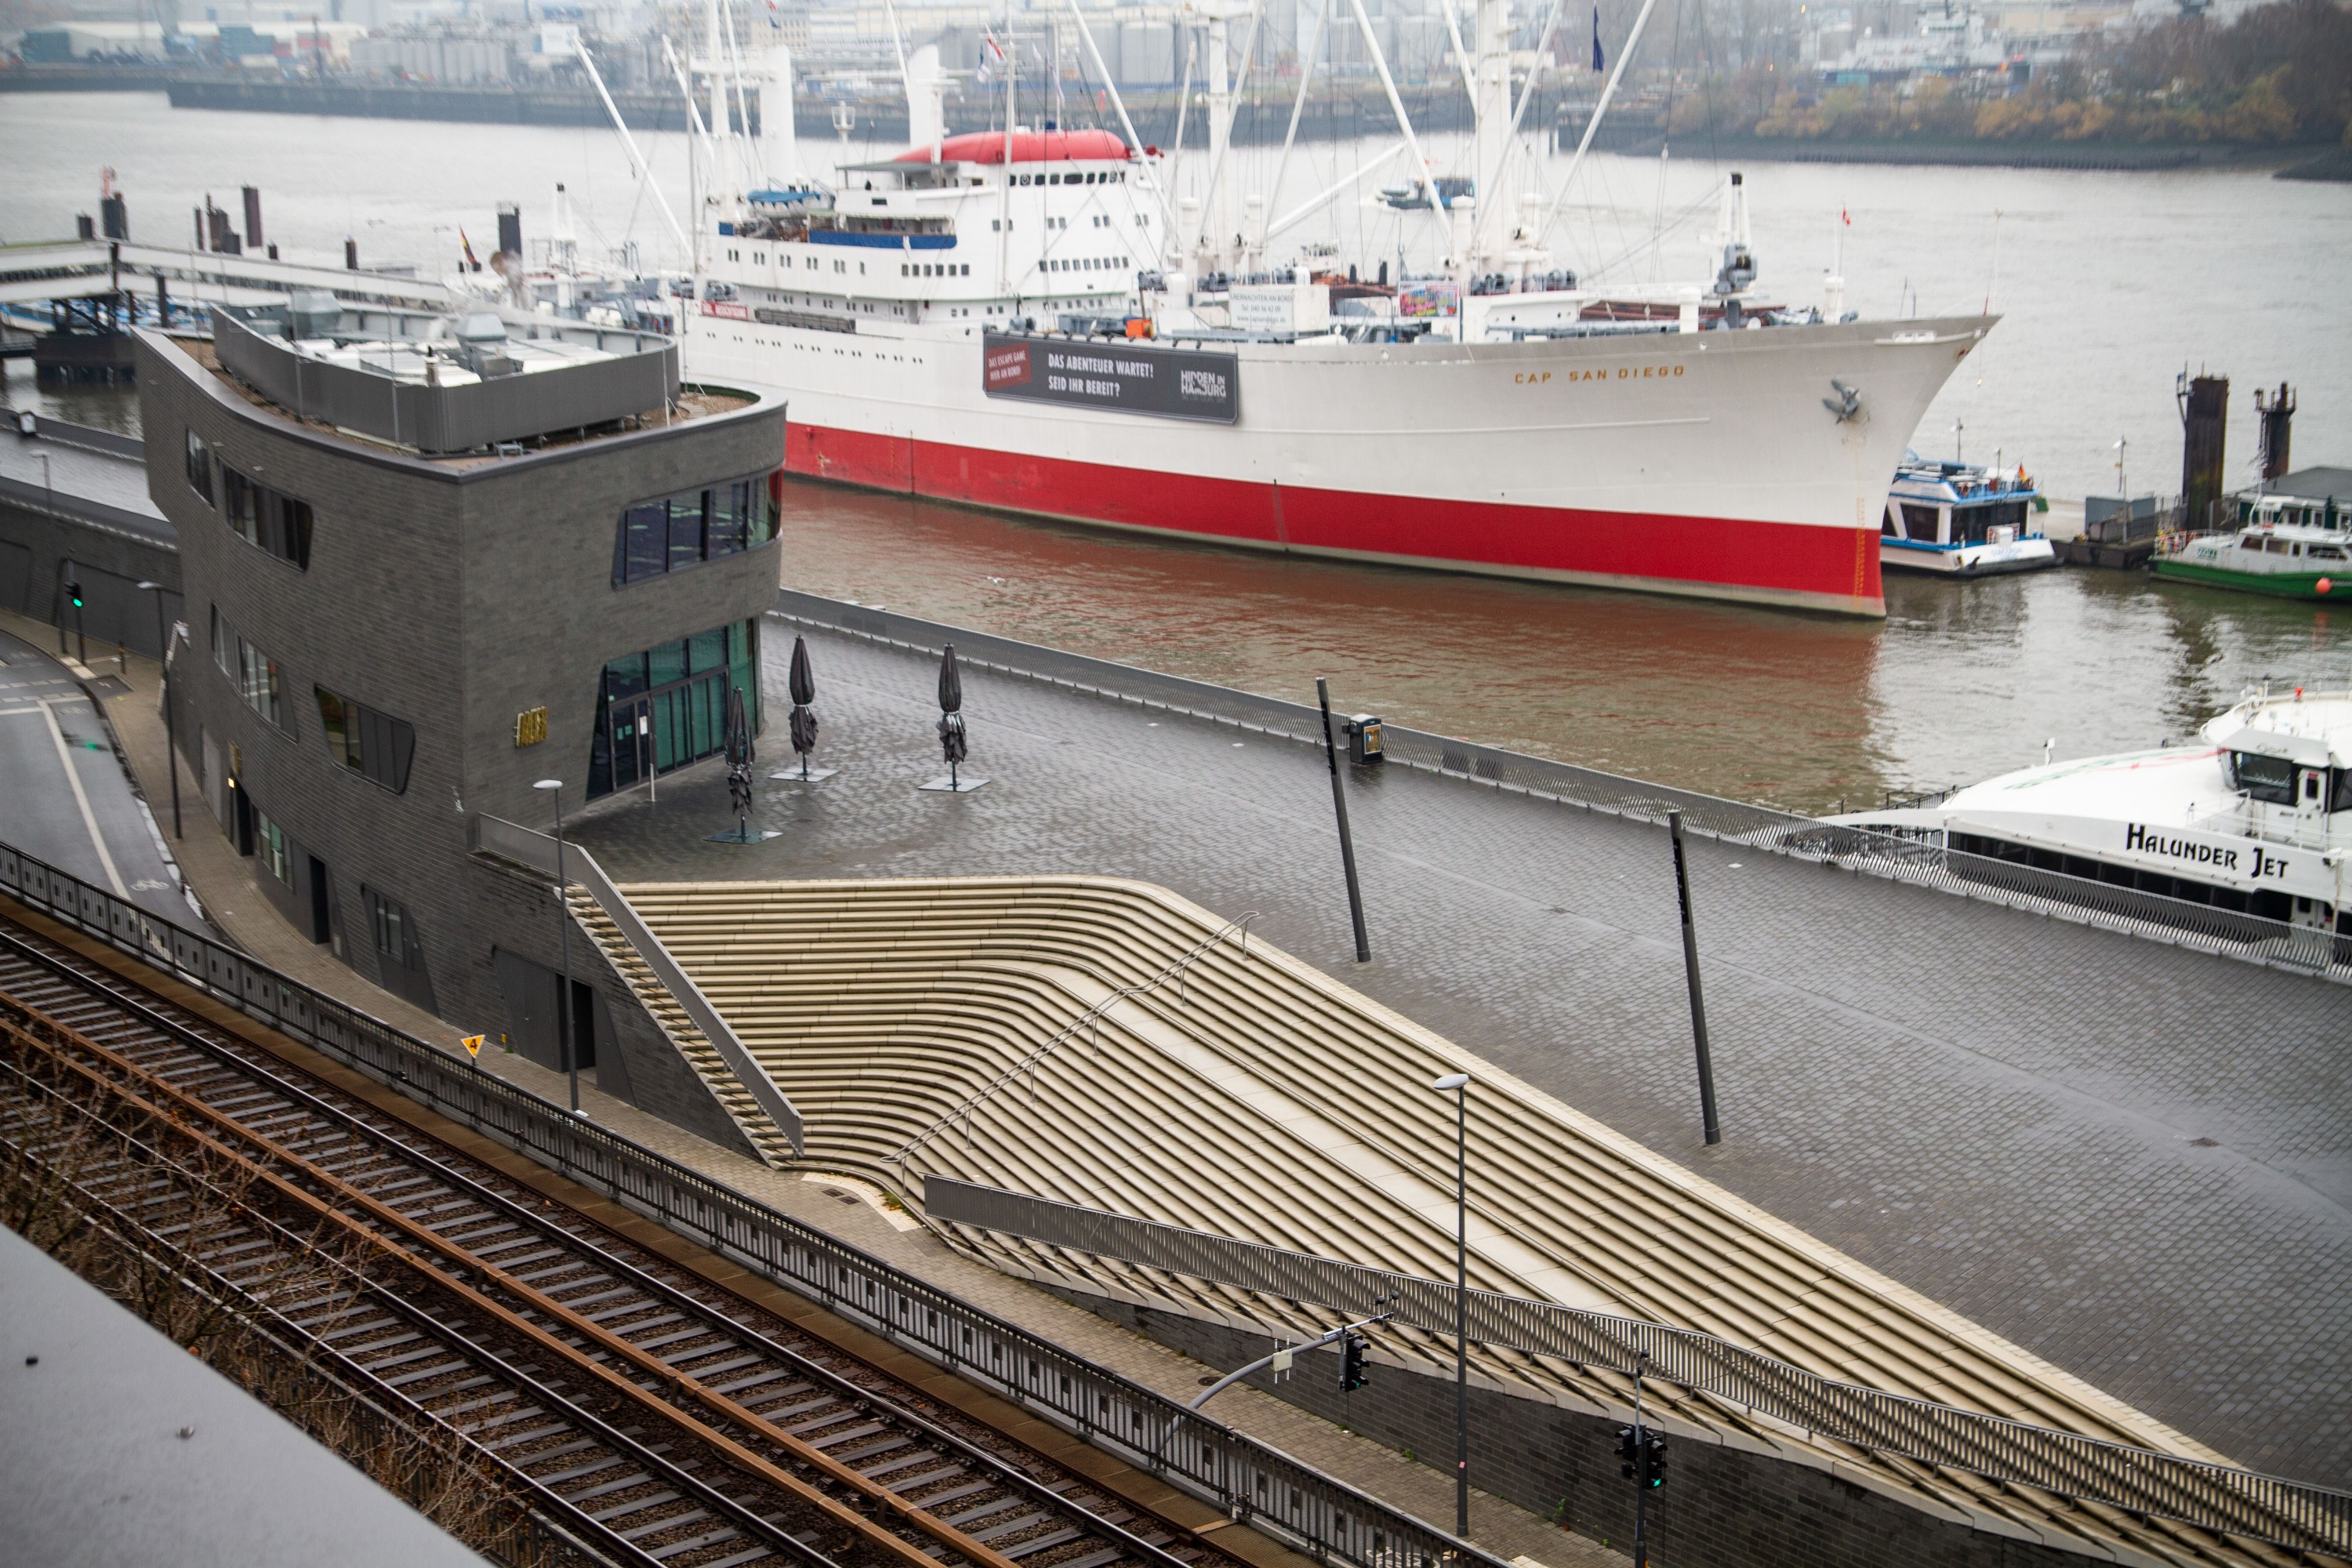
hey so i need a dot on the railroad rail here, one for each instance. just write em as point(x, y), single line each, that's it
point(1250, 1482)
point(653, 1416)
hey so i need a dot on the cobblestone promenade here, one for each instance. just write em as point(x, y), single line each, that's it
point(2131, 1159)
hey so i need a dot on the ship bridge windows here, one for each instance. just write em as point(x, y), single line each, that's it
point(2271, 780)
point(1973, 525)
point(1923, 524)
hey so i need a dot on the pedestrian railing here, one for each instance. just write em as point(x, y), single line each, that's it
point(1920, 861)
point(2137, 1480)
point(1251, 1481)
point(496, 835)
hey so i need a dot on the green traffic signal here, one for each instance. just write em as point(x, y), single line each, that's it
point(73, 591)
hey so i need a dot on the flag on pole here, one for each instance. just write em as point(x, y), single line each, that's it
point(991, 55)
point(1846, 217)
point(471, 264)
point(1599, 62)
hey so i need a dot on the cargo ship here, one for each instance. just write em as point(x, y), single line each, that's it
point(1029, 319)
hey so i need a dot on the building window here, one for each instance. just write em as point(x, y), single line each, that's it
point(258, 677)
point(200, 467)
point(669, 533)
point(396, 938)
point(266, 519)
point(269, 844)
point(372, 744)
point(666, 707)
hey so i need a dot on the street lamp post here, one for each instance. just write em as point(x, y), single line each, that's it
point(570, 1057)
point(1459, 1085)
point(170, 719)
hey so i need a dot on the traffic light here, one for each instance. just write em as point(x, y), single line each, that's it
point(1351, 1362)
point(1628, 1451)
point(1653, 1461)
point(73, 591)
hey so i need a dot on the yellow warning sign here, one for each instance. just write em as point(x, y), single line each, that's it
point(474, 1046)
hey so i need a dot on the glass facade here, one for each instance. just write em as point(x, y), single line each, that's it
point(669, 533)
point(666, 707)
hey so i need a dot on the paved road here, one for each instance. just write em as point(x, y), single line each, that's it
point(2133, 1160)
point(63, 797)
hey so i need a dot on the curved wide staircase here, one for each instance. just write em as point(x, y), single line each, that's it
point(1108, 1044)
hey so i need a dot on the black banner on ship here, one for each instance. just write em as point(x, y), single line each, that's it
point(1127, 378)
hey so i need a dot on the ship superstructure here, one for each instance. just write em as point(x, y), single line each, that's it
point(1029, 319)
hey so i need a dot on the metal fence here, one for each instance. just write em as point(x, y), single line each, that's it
point(537, 850)
point(459, 418)
point(1918, 861)
point(2137, 1480)
point(1251, 1481)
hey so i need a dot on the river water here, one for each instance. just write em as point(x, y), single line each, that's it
point(2110, 285)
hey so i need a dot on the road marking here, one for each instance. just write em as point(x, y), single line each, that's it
point(81, 799)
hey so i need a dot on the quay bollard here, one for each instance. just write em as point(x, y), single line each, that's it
point(1346, 841)
point(1714, 1128)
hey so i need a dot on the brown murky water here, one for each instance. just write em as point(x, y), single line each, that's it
point(1962, 680)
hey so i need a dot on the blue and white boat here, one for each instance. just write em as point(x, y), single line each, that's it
point(1957, 520)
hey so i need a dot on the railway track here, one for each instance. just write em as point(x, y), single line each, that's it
point(650, 1415)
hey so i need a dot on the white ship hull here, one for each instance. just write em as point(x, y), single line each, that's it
point(1701, 463)
point(1967, 560)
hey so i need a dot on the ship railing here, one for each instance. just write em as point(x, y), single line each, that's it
point(1926, 861)
point(2272, 824)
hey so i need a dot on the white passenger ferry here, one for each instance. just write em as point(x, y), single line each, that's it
point(2256, 818)
point(1956, 519)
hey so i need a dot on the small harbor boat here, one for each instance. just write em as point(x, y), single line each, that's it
point(1957, 520)
point(2289, 546)
point(2256, 818)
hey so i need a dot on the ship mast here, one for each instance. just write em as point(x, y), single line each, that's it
point(1491, 107)
point(1220, 233)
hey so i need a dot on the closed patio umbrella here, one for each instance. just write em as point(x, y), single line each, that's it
point(740, 754)
point(954, 742)
point(802, 684)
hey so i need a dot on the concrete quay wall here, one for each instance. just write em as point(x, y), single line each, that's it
point(49, 530)
point(1720, 1504)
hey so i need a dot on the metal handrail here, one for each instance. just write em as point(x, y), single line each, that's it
point(1249, 1480)
point(525, 847)
point(1923, 863)
point(2138, 1481)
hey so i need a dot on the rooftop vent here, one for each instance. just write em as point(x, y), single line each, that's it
point(312, 313)
point(477, 327)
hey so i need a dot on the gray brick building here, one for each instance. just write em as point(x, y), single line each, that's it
point(500, 553)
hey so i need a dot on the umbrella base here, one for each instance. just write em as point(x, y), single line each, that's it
point(743, 835)
point(794, 775)
point(963, 784)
